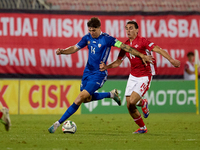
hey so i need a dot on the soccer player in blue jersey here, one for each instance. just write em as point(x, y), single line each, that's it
point(99, 45)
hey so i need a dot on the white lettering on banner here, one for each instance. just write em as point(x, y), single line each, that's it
point(181, 92)
point(173, 28)
point(49, 27)
point(91, 105)
point(192, 99)
point(68, 31)
point(150, 97)
point(194, 29)
point(116, 28)
point(19, 28)
point(50, 59)
point(78, 30)
point(24, 27)
point(162, 97)
point(171, 93)
point(17, 57)
point(66, 59)
point(143, 29)
point(161, 93)
point(151, 28)
point(59, 27)
point(112, 28)
point(64, 27)
point(162, 29)
point(183, 28)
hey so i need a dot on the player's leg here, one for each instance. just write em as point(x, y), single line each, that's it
point(94, 83)
point(133, 111)
point(143, 103)
point(71, 110)
point(5, 118)
point(142, 87)
point(134, 90)
point(112, 94)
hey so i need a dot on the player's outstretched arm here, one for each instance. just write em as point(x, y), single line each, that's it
point(133, 51)
point(174, 62)
point(114, 64)
point(69, 50)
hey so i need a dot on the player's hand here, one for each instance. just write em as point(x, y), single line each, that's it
point(146, 59)
point(59, 51)
point(175, 63)
point(102, 66)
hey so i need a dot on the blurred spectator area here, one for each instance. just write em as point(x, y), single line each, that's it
point(104, 5)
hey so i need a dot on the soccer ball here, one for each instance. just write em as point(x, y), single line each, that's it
point(69, 127)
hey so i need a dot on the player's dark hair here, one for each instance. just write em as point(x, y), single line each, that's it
point(94, 22)
point(190, 54)
point(133, 22)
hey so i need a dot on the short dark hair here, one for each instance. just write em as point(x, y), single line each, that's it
point(94, 22)
point(190, 54)
point(133, 22)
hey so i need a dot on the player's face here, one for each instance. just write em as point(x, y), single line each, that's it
point(191, 58)
point(95, 32)
point(131, 31)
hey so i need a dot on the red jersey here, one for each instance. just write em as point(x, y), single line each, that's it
point(138, 68)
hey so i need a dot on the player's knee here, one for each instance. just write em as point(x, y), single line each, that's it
point(131, 107)
point(132, 101)
point(82, 98)
point(88, 99)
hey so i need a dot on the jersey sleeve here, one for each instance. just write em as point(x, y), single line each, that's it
point(148, 45)
point(111, 40)
point(122, 55)
point(186, 66)
point(82, 43)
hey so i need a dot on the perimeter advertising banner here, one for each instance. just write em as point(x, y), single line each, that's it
point(163, 96)
point(38, 96)
point(47, 96)
point(9, 95)
point(28, 41)
point(55, 96)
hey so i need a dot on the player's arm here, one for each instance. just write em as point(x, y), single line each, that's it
point(174, 62)
point(188, 70)
point(69, 50)
point(114, 64)
point(134, 52)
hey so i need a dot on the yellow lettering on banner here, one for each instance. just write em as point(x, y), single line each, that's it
point(9, 95)
point(47, 96)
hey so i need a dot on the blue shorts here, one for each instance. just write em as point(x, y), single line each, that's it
point(92, 82)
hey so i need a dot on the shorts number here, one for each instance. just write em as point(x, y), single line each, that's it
point(143, 87)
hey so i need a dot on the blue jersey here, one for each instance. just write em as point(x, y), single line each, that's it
point(99, 49)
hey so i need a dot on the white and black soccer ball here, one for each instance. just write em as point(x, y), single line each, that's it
point(69, 127)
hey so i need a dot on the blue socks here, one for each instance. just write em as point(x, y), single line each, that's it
point(70, 111)
point(99, 96)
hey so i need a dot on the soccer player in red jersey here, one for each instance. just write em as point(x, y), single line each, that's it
point(141, 75)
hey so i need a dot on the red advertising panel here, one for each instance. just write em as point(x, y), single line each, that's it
point(28, 41)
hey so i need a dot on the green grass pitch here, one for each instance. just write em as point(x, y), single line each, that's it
point(103, 132)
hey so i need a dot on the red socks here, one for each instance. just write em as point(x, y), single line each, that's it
point(139, 121)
